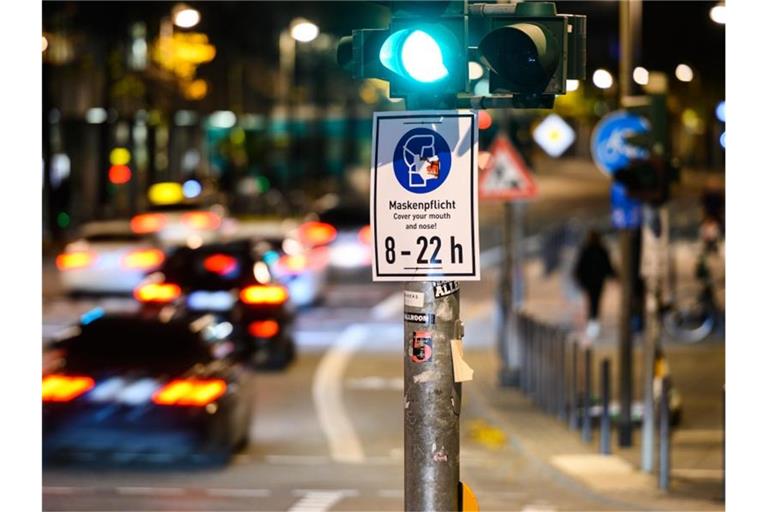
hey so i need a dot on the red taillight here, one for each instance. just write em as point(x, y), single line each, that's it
point(293, 263)
point(264, 328)
point(197, 392)
point(365, 235)
point(157, 292)
point(201, 220)
point(73, 260)
point(317, 233)
point(144, 259)
point(63, 388)
point(221, 264)
point(264, 294)
point(148, 223)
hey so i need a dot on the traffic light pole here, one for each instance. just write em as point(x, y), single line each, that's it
point(432, 400)
point(629, 33)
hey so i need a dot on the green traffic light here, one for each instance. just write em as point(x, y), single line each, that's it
point(414, 54)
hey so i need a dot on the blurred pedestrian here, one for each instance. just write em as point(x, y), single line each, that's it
point(593, 267)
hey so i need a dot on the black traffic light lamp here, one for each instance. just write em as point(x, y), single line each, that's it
point(531, 52)
point(649, 181)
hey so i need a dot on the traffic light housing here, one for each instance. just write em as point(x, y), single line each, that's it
point(649, 181)
point(422, 53)
point(532, 51)
point(529, 50)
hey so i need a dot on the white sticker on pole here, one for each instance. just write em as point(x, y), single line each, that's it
point(424, 196)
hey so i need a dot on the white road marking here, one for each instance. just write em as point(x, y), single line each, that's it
point(318, 501)
point(239, 493)
point(389, 307)
point(376, 383)
point(150, 491)
point(342, 439)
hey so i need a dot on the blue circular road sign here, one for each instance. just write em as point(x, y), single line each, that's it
point(610, 150)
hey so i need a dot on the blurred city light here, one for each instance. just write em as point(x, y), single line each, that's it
point(191, 188)
point(195, 90)
point(222, 119)
point(475, 70)
point(185, 118)
point(640, 75)
point(720, 111)
point(482, 87)
point(185, 17)
point(45, 43)
point(722, 140)
point(572, 85)
point(554, 135)
point(60, 169)
point(717, 14)
point(602, 79)
point(684, 73)
point(303, 30)
point(119, 156)
point(182, 52)
point(95, 115)
point(484, 120)
point(692, 121)
point(119, 174)
point(62, 219)
point(165, 193)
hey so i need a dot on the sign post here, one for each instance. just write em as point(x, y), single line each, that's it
point(506, 177)
point(424, 224)
point(611, 152)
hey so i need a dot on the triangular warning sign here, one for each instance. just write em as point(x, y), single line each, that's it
point(506, 176)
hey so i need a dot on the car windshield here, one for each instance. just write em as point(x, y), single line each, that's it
point(133, 342)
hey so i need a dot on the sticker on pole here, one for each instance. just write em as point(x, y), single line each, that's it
point(506, 176)
point(424, 196)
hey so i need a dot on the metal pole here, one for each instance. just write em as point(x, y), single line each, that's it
point(573, 422)
point(432, 402)
point(664, 436)
point(562, 341)
point(507, 333)
point(630, 15)
point(605, 418)
point(586, 424)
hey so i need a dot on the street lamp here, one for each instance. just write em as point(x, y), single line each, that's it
point(684, 73)
point(717, 14)
point(303, 30)
point(602, 79)
point(185, 16)
point(640, 75)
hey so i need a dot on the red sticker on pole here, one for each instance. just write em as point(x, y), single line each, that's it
point(506, 175)
point(420, 350)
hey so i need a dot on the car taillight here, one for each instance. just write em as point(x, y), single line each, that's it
point(144, 259)
point(317, 233)
point(148, 222)
point(201, 220)
point(157, 292)
point(63, 388)
point(263, 328)
point(292, 263)
point(264, 294)
point(365, 234)
point(73, 260)
point(221, 264)
point(197, 392)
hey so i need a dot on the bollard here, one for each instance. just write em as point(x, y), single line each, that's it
point(573, 419)
point(561, 376)
point(520, 327)
point(586, 424)
point(539, 364)
point(605, 417)
point(664, 435)
point(525, 336)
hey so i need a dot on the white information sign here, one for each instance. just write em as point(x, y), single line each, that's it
point(424, 196)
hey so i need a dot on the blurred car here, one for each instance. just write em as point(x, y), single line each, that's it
point(182, 224)
point(107, 258)
point(232, 281)
point(132, 388)
point(345, 233)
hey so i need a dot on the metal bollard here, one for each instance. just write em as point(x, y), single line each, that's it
point(573, 418)
point(520, 327)
point(586, 424)
point(561, 376)
point(605, 417)
point(539, 364)
point(664, 447)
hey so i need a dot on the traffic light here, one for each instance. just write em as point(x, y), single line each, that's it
point(529, 50)
point(649, 181)
point(422, 53)
point(532, 51)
